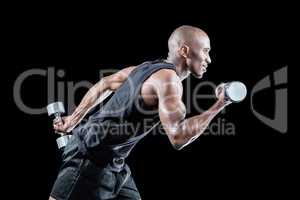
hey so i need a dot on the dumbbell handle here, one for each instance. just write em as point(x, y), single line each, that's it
point(58, 119)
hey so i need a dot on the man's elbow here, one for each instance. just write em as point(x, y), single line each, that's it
point(177, 143)
point(178, 147)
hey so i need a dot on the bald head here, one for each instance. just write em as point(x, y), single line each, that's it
point(185, 35)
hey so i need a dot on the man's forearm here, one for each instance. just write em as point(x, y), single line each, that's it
point(93, 97)
point(191, 128)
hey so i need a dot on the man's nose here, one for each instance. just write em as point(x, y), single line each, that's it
point(208, 60)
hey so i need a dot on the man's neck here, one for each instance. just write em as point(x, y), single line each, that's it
point(181, 72)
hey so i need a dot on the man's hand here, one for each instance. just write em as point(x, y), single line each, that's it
point(220, 94)
point(64, 125)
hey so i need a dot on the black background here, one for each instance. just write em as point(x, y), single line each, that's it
point(248, 43)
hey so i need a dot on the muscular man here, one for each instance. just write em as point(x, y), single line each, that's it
point(143, 96)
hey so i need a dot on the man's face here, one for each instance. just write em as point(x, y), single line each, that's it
point(198, 57)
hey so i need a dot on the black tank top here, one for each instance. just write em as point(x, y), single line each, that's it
point(112, 132)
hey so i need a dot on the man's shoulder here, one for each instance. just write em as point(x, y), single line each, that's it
point(166, 75)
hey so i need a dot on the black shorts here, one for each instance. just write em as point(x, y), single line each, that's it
point(80, 179)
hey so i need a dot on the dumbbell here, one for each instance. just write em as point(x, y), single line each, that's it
point(56, 109)
point(235, 91)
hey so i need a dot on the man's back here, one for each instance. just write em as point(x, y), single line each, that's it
point(129, 115)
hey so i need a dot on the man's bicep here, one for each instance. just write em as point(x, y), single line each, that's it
point(171, 108)
point(172, 113)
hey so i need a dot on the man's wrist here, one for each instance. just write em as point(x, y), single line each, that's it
point(221, 104)
point(73, 119)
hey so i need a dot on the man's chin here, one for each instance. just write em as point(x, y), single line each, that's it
point(198, 76)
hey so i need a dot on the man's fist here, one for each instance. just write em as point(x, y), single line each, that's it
point(220, 94)
point(63, 125)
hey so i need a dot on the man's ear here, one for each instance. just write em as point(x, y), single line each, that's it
point(184, 51)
